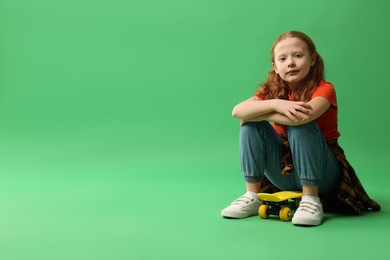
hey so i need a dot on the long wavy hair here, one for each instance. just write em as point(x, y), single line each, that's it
point(276, 88)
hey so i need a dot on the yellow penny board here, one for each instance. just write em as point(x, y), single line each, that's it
point(279, 196)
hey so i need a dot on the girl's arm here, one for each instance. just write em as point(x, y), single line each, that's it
point(255, 108)
point(318, 106)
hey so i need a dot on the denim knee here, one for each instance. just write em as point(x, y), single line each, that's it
point(300, 132)
point(250, 126)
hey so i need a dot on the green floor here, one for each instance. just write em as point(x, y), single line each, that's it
point(64, 200)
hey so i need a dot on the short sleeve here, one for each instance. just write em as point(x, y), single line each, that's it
point(326, 90)
point(259, 95)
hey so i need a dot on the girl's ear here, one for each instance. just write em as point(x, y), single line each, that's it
point(274, 67)
point(313, 59)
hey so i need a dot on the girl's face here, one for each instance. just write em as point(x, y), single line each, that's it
point(292, 61)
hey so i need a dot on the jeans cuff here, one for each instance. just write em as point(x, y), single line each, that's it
point(252, 179)
point(307, 182)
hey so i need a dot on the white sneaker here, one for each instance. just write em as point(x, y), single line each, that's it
point(309, 213)
point(244, 206)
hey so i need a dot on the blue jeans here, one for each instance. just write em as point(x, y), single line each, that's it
point(261, 151)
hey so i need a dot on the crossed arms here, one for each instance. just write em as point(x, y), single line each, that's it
point(280, 111)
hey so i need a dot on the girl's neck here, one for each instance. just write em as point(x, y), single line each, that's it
point(295, 86)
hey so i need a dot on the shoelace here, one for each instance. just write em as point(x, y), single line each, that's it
point(310, 207)
point(243, 198)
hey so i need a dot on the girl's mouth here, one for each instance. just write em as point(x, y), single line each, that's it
point(292, 72)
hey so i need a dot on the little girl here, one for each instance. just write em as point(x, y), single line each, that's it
point(299, 151)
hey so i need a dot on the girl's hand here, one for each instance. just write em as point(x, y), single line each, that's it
point(294, 110)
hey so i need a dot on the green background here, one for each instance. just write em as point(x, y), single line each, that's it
point(116, 135)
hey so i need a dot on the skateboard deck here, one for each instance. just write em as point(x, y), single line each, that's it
point(279, 196)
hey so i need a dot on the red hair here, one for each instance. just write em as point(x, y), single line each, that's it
point(276, 87)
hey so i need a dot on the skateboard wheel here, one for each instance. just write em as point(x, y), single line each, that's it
point(263, 211)
point(285, 214)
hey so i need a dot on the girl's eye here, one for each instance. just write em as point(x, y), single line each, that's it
point(282, 59)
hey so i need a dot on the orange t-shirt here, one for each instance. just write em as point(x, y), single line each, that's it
point(328, 120)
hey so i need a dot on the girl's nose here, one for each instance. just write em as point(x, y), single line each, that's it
point(291, 63)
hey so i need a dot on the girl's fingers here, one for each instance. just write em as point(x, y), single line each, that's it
point(305, 105)
point(305, 110)
point(292, 117)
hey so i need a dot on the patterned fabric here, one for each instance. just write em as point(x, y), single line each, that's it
point(350, 193)
point(286, 163)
